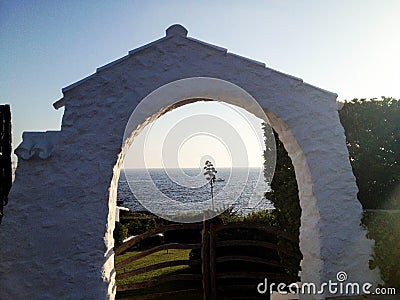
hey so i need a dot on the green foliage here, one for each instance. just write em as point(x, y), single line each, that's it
point(372, 130)
point(120, 233)
point(140, 225)
point(284, 193)
point(373, 139)
point(384, 228)
point(267, 217)
point(264, 216)
point(132, 225)
point(228, 215)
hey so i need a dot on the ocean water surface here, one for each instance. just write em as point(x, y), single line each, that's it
point(169, 190)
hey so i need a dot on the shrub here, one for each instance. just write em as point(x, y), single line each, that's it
point(120, 233)
point(139, 225)
point(384, 228)
point(373, 141)
point(264, 216)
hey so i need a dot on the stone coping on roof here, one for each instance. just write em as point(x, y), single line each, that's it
point(176, 31)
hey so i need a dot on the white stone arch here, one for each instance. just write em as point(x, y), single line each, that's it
point(65, 187)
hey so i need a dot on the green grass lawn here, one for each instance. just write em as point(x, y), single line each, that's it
point(158, 257)
point(161, 256)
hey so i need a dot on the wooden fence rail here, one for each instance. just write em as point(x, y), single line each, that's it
point(242, 255)
point(230, 258)
point(154, 250)
point(162, 229)
point(147, 289)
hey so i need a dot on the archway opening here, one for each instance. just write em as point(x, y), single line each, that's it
point(197, 164)
point(168, 157)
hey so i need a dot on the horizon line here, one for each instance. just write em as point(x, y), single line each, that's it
point(177, 168)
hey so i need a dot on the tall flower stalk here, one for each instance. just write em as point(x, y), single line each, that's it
point(210, 176)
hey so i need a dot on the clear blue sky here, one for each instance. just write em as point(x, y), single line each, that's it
point(348, 47)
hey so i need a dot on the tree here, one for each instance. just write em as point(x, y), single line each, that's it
point(284, 195)
point(372, 130)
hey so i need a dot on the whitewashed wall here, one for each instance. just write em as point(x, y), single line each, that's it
point(56, 237)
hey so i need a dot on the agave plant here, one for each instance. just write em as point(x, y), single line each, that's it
point(210, 177)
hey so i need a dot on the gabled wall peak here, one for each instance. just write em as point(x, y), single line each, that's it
point(176, 29)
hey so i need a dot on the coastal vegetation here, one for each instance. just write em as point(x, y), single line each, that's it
point(384, 228)
point(372, 130)
point(132, 224)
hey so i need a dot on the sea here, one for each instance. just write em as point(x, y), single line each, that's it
point(165, 191)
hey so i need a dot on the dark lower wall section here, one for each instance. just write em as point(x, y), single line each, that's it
point(5, 156)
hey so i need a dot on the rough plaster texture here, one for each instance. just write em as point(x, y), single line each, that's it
point(56, 236)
